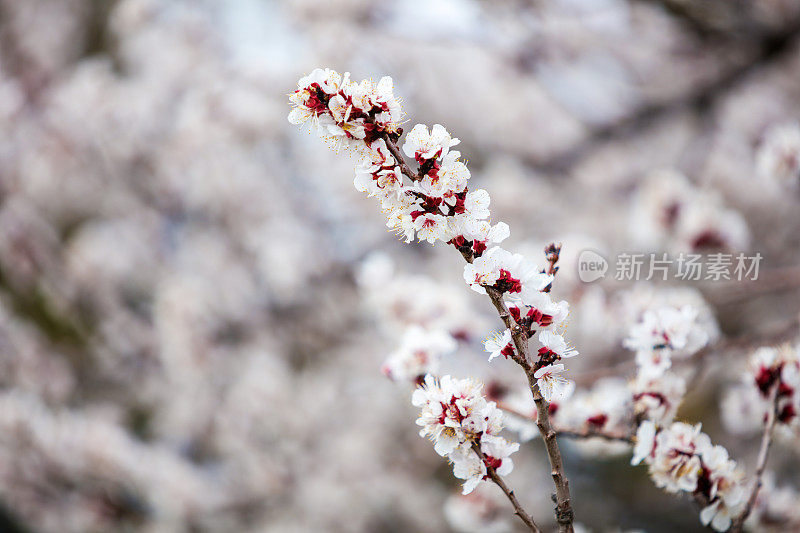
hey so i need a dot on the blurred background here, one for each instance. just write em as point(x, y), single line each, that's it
point(191, 334)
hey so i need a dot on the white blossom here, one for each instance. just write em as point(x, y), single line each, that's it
point(553, 343)
point(422, 144)
point(645, 442)
point(499, 344)
point(552, 385)
point(505, 271)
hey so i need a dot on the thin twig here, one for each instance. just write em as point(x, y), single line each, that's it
point(763, 452)
point(591, 433)
point(573, 433)
point(518, 510)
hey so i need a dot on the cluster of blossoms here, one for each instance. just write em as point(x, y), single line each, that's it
point(778, 158)
point(346, 111)
point(612, 405)
point(662, 334)
point(456, 416)
point(770, 371)
point(604, 318)
point(671, 213)
point(436, 205)
point(681, 458)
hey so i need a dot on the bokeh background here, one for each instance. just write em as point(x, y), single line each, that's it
point(185, 345)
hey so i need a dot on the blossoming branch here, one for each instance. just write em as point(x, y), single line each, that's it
point(433, 203)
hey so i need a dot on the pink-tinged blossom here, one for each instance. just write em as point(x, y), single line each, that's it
point(476, 235)
point(445, 179)
point(544, 312)
point(476, 204)
point(379, 175)
point(348, 113)
point(430, 227)
point(662, 334)
point(606, 406)
point(668, 328)
point(676, 465)
point(670, 213)
point(725, 488)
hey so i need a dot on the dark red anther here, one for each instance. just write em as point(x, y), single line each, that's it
point(597, 421)
point(507, 283)
point(787, 413)
point(507, 351)
point(493, 462)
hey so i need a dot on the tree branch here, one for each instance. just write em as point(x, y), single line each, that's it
point(563, 511)
point(518, 510)
point(763, 452)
